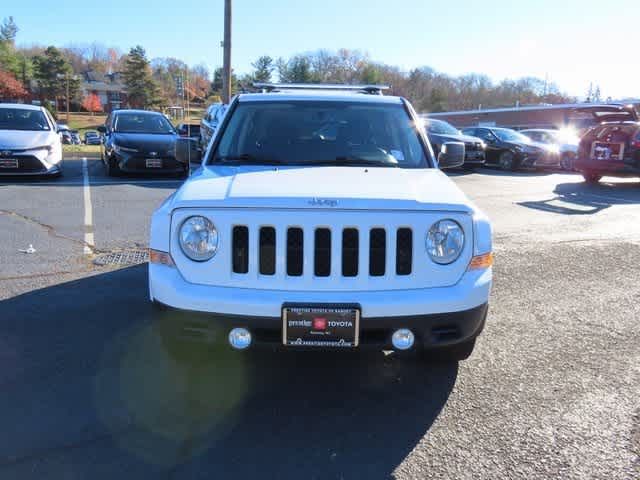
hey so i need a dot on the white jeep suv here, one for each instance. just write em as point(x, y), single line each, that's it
point(320, 219)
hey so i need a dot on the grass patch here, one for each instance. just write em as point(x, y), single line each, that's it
point(93, 150)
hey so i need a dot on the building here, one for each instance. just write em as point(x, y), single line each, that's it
point(530, 116)
point(109, 87)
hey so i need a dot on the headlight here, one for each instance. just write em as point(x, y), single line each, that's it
point(198, 238)
point(445, 241)
point(120, 149)
point(554, 148)
point(518, 148)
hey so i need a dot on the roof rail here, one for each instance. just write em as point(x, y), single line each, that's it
point(278, 87)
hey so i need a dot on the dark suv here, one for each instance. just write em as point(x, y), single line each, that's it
point(612, 147)
point(440, 132)
point(210, 122)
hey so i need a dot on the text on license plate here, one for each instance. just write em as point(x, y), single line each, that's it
point(153, 163)
point(9, 163)
point(319, 326)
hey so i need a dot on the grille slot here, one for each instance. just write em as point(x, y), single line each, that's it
point(322, 257)
point(404, 251)
point(295, 252)
point(377, 252)
point(240, 250)
point(350, 239)
point(267, 251)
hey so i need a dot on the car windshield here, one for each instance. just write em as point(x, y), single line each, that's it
point(321, 132)
point(91, 134)
point(507, 135)
point(441, 128)
point(23, 119)
point(142, 123)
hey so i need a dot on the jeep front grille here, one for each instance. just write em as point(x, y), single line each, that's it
point(319, 254)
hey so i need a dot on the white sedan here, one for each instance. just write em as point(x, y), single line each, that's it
point(29, 141)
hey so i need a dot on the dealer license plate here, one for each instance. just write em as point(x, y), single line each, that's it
point(9, 163)
point(154, 163)
point(329, 327)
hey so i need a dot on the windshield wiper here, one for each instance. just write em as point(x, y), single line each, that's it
point(247, 159)
point(354, 162)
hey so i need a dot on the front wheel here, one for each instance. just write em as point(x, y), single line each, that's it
point(507, 161)
point(112, 167)
point(566, 162)
point(591, 178)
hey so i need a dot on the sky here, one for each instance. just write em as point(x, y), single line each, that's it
point(572, 43)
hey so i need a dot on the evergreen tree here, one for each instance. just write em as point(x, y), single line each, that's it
point(8, 30)
point(216, 85)
point(263, 68)
point(52, 71)
point(141, 88)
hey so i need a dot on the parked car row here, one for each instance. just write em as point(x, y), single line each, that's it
point(609, 148)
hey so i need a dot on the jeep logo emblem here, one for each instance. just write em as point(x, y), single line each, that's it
point(323, 202)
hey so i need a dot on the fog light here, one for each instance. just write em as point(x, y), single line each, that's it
point(403, 339)
point(240, 338)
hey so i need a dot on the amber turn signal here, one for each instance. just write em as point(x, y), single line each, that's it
point(481, 262)
point(160, 258)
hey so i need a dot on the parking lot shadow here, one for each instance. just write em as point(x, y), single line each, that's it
point(90, 363)
point(579, 198)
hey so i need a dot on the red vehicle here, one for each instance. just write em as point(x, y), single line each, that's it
point(611, 148)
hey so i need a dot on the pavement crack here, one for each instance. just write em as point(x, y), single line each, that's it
point(51, 231)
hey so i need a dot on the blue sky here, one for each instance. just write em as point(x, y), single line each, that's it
point(572, 42)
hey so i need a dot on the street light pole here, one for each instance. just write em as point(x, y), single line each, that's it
point(226, 68)
point(67, 99)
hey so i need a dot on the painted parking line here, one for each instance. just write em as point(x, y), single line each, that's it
point(89, 240)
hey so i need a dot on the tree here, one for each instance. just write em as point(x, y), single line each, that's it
point(91, 103)
point(10, 87)
point(296, 70)
point(264, 66)
point(142, 90)
point(52, 72)
point(216, 85)
point(8, 30)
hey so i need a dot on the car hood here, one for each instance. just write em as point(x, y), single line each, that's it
point(25, 139)
point(354, 188)
point(455, 138)
point(145, 141)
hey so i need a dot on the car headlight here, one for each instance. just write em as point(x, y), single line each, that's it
point(198, 238)
point(518, 148)
point(445, 241)
point(120, 149)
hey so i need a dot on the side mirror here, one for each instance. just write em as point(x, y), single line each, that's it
point(451, 155)
point(188, 150)
point(102, 129)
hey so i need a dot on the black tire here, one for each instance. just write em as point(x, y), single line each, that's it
point(112, 168)
point(455, 353)
point(591, 178)
point(507, 161)
point(566, 162)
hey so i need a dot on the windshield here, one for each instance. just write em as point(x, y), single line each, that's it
point(440, 127)
point(142, 123)
point(23, 119)
point(321, 132)
point(507, 135)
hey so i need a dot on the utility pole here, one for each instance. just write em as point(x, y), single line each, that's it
point(226, 68)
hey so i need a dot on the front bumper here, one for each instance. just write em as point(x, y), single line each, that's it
point(30, 165)
point(137, 164)
point(437, 316)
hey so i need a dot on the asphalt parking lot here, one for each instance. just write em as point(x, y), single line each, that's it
point(90, 389)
